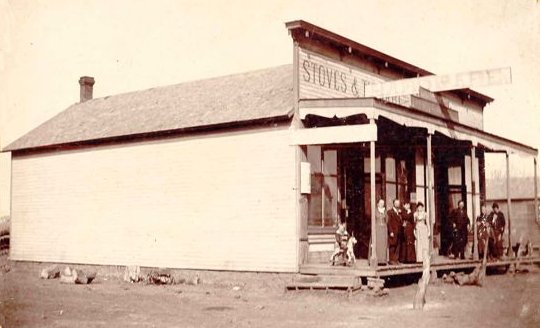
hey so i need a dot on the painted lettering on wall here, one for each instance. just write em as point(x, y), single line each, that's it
point(328, 77)
point(321, 77)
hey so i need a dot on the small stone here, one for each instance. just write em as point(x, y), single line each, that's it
point(50, 272)
point(236, 288)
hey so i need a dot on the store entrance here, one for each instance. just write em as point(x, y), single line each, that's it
point(354, 191)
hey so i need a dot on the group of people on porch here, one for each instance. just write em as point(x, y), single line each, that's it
point(490, 230)
point(402, 236)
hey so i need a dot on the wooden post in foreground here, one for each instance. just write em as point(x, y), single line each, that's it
point(420, 296)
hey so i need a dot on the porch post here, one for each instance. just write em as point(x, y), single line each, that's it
point(474, 170)
point(536, 218)
point(373, 260)
point(509, 204)
point(431, 195)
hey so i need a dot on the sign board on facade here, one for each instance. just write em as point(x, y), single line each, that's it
point(438, 83)
point(322, 77)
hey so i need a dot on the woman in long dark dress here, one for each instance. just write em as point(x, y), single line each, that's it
point(408, 253)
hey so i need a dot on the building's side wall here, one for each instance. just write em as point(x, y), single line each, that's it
point(5, 184)
point(523, 221)
point(221, 201)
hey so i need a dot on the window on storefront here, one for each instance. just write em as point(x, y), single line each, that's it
point(397, 180)
point(325, 196)
point(455, 188)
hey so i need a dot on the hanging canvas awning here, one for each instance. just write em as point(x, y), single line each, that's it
point(410, 117)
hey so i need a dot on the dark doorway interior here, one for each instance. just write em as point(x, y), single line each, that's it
point(450, 188)
point(353, 190)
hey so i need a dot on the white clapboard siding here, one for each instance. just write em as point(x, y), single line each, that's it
point(222, 201)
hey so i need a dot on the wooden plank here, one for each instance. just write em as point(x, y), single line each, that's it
point(320, 270)
point(329, 270)
point(435, 109)
point(438, 83)
point(474, 174)
point(325, 282)
point(536, 216)
point(373, 262)
point(430, 190)
point(509, 206)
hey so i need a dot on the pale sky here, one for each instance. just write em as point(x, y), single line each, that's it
point(45, 46)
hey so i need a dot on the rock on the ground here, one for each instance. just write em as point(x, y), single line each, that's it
point(76, 276)
point(50, 272)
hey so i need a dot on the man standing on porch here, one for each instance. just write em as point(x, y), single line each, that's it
point(394, 231)
point(459, 223)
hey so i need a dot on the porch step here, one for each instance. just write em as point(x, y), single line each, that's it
point(319, 257)
point(347, 282)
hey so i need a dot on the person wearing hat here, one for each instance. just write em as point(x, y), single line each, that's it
point(395, 230)
point(459, 223)
point(498, 222)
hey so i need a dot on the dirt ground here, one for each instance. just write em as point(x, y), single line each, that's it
point(259, 300)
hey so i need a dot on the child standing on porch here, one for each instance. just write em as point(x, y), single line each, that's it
point(341, 235)
point(340, 245)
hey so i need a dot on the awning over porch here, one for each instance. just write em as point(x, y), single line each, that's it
point(335, 134)
point(410, 117)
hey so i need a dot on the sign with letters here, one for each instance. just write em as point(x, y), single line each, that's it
point(438, 83)
point(321, 77)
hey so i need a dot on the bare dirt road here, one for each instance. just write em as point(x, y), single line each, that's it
point(259, 300)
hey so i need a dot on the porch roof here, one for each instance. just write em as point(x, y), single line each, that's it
point(410, 117)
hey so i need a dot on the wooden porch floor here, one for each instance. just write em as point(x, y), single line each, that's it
point(362, 269)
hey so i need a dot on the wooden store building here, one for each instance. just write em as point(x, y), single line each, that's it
point(251, 171)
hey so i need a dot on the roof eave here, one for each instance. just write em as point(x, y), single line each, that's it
point(152, 135)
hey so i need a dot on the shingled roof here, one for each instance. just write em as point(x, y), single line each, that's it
point(256, 95)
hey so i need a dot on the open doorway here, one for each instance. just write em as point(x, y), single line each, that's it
point(450, 189)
